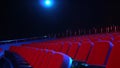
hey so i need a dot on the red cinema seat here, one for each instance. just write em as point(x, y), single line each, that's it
point(51, 46)
point(93, 39)
point(31, 55)
point(60, 60)
point(84, 39)
point(117, 38)
point(43, 59)
point(56, 47)
point(114, 59)
point(46, 59)
point(106, 38)
point(115, 34)
point(99, 53)
point(34, 56)
point(78, 39)
point(83, 51)
point(73, 49)
point(66, 47)
point(39, 58)
point(59, 47)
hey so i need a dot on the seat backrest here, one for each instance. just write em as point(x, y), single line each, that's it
point(55, 47)
point(99, 53)
point(46, 59)
point(115, 34)
point(117, 38)
point(114, 59)
point(59, 47)
point(93, 39)
point(73, 49)
point(83, 51)
point(66, 47)
point(37, 53)
point(84, 39)
point(106, 38)
point(40, 58)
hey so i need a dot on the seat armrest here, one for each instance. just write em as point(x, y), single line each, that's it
point(92, 66)
point(79, 64)
point(25, 66)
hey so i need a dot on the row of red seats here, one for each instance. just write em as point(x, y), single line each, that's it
point(99, 54)
point(92, 53)
point(43, 58)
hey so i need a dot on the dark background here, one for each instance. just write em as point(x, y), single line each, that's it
point(27, 18)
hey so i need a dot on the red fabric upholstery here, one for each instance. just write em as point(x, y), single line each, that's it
point(99, 53)
point(53, 63)
point(46, 60)
point(83, 51)
point(117, 38)
point(73, 49)
point(59, 60)
point(106, 38)
point(114, 59)
point(40, 59)
point(66, 47)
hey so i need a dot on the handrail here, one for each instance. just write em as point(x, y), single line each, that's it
point(20, 40)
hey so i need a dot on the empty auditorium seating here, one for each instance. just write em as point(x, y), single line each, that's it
point(43, 58)
point(87, 51)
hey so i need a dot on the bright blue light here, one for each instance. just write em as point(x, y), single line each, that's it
point(70, 63)
point(47, 3)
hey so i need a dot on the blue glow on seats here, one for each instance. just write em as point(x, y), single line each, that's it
point(70, 62)
point(1, 54)
point(67, 61)
point(84, 64)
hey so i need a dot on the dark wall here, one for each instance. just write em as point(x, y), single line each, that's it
point(27, 18)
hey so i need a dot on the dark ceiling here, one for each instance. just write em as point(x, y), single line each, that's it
point(27, 18)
